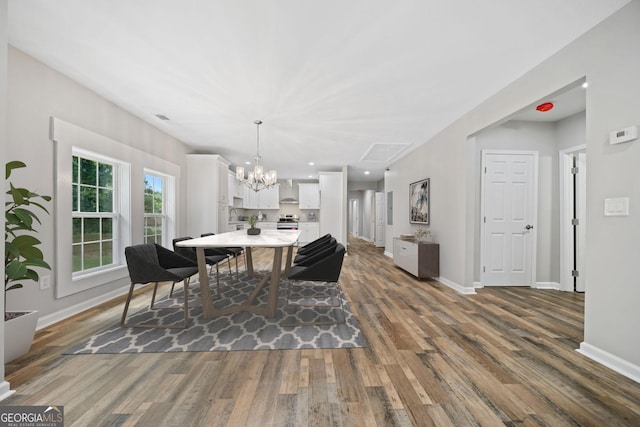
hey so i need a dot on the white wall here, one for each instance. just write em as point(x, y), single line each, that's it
point(36, 92)
point(4, 386)
point(613, 102)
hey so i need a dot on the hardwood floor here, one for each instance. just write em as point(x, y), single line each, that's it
point(503, 357)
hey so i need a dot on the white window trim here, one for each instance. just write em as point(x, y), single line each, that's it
point(65, 137)
point(119, 182)
point(169, 206)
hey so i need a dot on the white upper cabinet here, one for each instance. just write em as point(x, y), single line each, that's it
point(270, 198)
point(207, 194)
point(309, 196)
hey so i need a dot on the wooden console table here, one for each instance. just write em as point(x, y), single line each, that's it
point(419, 259)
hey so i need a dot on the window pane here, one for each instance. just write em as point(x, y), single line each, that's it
point(107, 253)
point(105, 175)
point(158, 227)
point(91, 255)
point(88, 170)
point(91, 230)
point(107, 228)
point(77, 258)
point(106, 200)
point(77, 230)
point(149, 239)
point(74, 190)
point(88, 199)
point(148, 183)
point(74, 170)
point(148, 202)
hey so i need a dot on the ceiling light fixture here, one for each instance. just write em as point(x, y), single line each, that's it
point(366, 172)
point(257, 179)
point(585, 85)
point(311, 163)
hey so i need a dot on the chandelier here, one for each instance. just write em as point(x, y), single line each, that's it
point(257, 179)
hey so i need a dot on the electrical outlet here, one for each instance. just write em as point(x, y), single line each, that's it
point(45, 282)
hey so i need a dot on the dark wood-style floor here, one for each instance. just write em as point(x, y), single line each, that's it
point(503, 357)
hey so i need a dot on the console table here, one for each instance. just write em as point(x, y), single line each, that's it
point(419, 259)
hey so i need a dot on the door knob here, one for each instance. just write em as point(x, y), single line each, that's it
point(528, 227)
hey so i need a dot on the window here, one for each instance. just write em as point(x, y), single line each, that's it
point(94, 213)
point(154, 209)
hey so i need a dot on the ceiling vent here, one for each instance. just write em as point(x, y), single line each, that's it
point(383, 153)
point(162, 117)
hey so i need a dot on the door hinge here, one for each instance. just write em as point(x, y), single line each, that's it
point(485, 219)
point(484, 269)
point(485, 169)
point(575, 273)
point(574, 171)
point(575, 221)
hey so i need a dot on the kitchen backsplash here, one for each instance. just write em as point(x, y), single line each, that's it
point(273, 215)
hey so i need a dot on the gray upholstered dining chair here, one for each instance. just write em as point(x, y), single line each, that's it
point(152, 263)
point(315, 285)
point(231, 252)
point(212, 259)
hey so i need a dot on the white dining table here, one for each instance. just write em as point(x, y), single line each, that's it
point(276, 239)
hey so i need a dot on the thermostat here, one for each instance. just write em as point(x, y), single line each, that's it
point(623, 135)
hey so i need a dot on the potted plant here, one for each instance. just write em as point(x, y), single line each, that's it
point(253, 230)
point(21, 255)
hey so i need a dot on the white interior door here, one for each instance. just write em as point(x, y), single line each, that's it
point(379, 213)
point(355, 218)
point(580, 228)
point(508, 214)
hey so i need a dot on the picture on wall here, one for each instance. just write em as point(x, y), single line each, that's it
point(419, 202)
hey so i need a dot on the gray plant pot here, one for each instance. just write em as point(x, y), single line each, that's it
point(253, 231)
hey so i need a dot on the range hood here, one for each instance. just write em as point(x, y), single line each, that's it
point(289, 200)
point(288, 193)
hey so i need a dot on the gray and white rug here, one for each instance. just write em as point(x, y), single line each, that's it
point(240, 331)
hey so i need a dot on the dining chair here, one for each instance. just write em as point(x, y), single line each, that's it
point(152, 263)
point(316, 286)
point(318, 252)
point(231, 252)
point(311, 245)
point(212, 259)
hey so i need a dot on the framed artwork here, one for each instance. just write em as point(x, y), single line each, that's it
point(419, 195)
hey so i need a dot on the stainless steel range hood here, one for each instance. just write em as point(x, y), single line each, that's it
point(289, 200)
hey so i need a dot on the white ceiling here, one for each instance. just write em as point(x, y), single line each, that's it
point(329, 78)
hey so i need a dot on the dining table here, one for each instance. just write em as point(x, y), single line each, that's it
point(275, 239)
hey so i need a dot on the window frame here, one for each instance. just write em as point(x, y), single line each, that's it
point(165, 208)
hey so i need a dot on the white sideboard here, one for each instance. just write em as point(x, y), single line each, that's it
point(419, 259)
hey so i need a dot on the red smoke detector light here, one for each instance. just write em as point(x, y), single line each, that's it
point(544, 107)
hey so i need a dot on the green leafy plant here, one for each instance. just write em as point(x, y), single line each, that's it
point(253, 219)
point(21, 252)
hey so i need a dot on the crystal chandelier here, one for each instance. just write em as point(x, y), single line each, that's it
point(257, 179)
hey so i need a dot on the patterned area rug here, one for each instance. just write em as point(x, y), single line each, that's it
point(240, 331)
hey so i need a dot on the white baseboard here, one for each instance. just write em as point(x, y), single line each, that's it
point(5, 390)
point(455, 286)
point(388, 254)
point(609, 360)
point(477, 285)
point(548, 285)
point(65, 313)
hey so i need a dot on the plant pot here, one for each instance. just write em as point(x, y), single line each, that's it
point(18, 335)
point(253, 231)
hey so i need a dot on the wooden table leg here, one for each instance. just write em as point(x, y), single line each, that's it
point(275, 282)
point(205, 292)
point(287, 266)
point(249, 262)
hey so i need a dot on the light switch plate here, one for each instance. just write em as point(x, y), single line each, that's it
point(616, 207)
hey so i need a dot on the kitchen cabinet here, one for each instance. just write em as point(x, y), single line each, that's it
point(419, 259)
point(308, 196)
point(234, 189)
point(263, 199)
point(207, 194)
point(333, 205)
point(263, 225)
point(309, 231)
